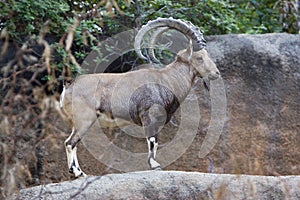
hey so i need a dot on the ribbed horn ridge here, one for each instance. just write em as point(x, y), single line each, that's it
point(187, 28)
point(153, 41)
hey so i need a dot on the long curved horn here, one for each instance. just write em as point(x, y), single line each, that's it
point(187, 28)
point(153, 41)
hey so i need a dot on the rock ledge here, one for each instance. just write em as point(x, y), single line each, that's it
point(168, 185)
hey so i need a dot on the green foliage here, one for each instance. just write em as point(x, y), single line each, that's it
point(213, 17)
point(216, 16)
point(267, 16)
point(27, 17)
point(289, 15)
point(257, 16)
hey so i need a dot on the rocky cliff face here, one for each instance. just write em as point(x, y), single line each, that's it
point(168, 185)
point(262, 77)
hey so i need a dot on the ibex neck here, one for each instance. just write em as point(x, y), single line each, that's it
point(181, 77)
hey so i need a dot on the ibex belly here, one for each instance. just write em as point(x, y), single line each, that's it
point(106, 121)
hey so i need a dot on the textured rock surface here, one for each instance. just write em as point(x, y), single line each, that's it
point(262, 76)
point(168, 185)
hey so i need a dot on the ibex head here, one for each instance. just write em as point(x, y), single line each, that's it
point(195, 54)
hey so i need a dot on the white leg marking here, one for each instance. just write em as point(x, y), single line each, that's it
point(76, 169)
point(62, 96)
point(72, 158)
point(153, 140)
point(152, 145)
point(69, 150)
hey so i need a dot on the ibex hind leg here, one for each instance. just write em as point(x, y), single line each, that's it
point(70, 145)
point(84, 118)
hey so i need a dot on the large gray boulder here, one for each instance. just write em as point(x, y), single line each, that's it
point(168, 185)
point(262, 78)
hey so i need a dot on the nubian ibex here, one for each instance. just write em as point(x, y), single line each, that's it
point(146, 97)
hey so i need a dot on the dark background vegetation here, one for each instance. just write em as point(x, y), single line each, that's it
point(43, 43)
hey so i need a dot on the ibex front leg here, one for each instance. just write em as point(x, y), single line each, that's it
point(152, 146)
point(152, 121)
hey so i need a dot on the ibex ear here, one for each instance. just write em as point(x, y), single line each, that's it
point(186, 54)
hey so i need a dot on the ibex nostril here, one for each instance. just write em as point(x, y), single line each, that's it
point(214, 75)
